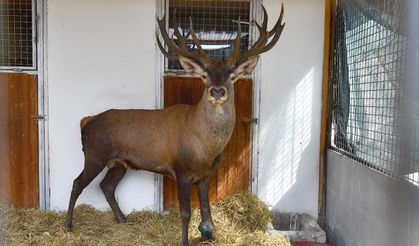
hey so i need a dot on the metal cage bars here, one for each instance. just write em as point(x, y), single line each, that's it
point(374, 120)
point(18, 35)
point(215, 23)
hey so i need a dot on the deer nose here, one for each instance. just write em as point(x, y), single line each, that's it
point(217, 93)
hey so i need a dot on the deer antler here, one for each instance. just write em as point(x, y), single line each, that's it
point(236, 47)
point(261, 45)
point(182, 50)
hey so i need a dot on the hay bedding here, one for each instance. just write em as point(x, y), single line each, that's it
point(239, 220)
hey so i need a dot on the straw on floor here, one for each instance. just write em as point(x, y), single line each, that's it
point(239, 220)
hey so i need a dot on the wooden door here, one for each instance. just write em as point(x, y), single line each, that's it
point(19, 139)
point(234, 173)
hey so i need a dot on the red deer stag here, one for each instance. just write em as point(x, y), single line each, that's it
point(183, 142)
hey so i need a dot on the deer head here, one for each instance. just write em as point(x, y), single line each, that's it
point(218, 76)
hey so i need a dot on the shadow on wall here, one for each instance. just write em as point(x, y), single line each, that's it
point(293, 126)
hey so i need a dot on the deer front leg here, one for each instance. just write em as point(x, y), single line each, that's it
point(206, 226)
point(184, 196)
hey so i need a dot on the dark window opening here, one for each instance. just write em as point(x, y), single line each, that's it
point(16, 34)
point(214, 22)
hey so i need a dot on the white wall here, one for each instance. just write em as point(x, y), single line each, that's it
point(290, 108)
point(101, 55)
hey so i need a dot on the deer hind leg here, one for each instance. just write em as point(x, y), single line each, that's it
point(108, 186)
point(90, 171)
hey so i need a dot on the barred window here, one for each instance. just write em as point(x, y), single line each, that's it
point(215, 24)
point(17, 37)
point(375, 112)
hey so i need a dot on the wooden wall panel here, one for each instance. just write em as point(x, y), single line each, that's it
point(234, 173)
point(326, 111)
point(19, 139)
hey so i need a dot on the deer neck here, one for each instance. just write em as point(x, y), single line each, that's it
point(216, 121)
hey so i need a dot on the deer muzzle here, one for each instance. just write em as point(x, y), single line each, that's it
point(217, 95)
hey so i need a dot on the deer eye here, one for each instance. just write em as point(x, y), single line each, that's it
point(233, 77)
point(204, 76)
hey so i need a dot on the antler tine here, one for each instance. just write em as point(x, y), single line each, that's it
point(276, 31)
point(236, 46)
point(262, 45)
point(273, 40)
point(262, 40)
point(182, 39)
point(175, 50)
point(259, 44)
point(278, 22)
point(162, 49)
point(202, 55)
point(263, 34)
point(265, 19)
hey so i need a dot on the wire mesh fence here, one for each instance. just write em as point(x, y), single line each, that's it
point(17, 34)
point(374, 112)
point(214, 22)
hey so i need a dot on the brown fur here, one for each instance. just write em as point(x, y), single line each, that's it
point(85, 120)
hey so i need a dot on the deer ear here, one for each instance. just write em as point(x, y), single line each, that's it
point(247, 66)
point(191, 67)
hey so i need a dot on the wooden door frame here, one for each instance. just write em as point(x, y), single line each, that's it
point(40, 30)
point(256, 14)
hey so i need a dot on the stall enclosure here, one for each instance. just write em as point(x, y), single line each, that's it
point(372, 174)
point(93, 65)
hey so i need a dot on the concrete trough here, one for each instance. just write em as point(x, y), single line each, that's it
point(296, 227)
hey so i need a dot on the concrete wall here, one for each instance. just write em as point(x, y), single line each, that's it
point(101, 55)
point(365, 207)
point(290, 108)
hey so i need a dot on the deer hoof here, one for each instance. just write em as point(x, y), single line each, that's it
point(121, 220)
point(68, 226)
point(206, 229)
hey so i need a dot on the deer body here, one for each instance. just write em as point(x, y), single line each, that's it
point(181, 137)
point(183, 142)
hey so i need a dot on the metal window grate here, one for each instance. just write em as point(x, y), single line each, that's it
point(214, 22)
point(375, 115)
point(16, 34)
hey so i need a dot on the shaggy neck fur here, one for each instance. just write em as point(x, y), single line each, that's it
point(218, 121)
